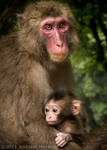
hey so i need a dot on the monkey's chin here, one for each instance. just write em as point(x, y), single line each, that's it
point(58, 57)
point(51, 122)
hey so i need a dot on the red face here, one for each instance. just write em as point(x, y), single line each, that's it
point(52, 111)
point(55, 29)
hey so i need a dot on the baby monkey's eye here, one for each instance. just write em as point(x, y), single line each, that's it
point(55, 110)
point(46, 110)
point(62, 25)
point(48, 26)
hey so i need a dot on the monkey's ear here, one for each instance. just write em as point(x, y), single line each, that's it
point(21, 20)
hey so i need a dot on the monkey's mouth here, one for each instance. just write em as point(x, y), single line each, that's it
point(51, 122)
point(58, 56)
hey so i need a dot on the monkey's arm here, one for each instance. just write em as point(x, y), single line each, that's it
point(38, 130)
point(46, 139)
point(72, 128)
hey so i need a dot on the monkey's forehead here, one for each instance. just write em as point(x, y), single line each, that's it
point(44, 9)
point(52, 105)
point(60, 103)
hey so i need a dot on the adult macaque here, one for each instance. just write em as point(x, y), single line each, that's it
point(33, 63)
point(66, 115)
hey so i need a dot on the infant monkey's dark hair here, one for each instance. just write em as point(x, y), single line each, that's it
point(57, 95)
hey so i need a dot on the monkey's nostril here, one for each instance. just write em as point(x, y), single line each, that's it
point(59, 44)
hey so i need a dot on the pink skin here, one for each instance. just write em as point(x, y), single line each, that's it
point(56, 35)
point(51, 115)
point(62, 139)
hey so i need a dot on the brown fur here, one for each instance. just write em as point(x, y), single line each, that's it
point(96, 139)
point(27, 76)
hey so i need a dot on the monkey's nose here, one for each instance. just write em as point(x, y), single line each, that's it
point(49, 117)
point(59, 44)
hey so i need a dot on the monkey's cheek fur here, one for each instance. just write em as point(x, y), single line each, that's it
point(58, 57)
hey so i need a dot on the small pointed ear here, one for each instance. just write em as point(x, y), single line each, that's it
point(21, 20)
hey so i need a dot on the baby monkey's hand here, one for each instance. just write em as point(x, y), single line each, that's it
point(62, 139)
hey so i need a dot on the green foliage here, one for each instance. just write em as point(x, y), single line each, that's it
point(99, 111)
point(91, 85)
point(90, 88)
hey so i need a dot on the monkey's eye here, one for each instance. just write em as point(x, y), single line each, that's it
point(48, 27)
point(62, 25)
point(55, 110)
point(46, 110)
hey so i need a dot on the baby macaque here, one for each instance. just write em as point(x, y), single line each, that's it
point(65, 114)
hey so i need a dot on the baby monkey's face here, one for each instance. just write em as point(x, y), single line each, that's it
point(52, 112)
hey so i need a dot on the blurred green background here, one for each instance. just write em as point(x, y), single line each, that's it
point(89, 61)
